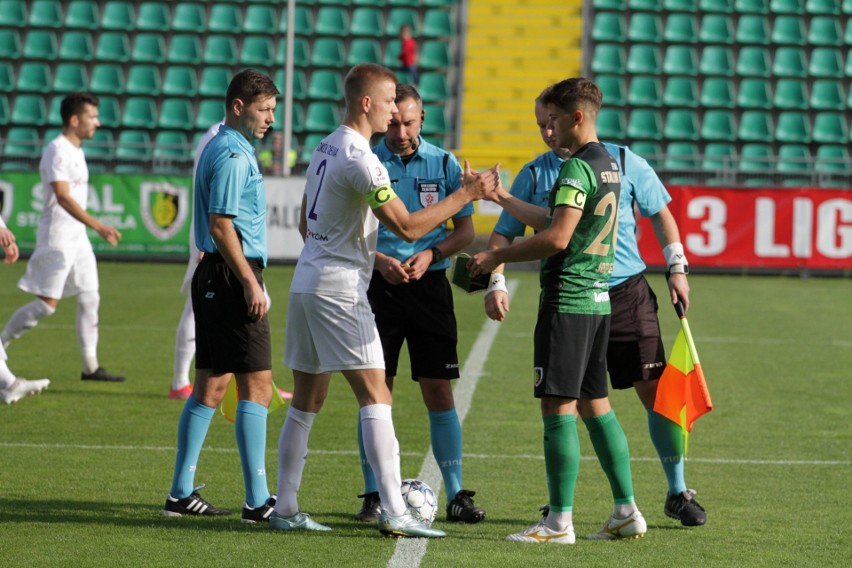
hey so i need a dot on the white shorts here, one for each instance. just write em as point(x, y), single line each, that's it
point(61, 273)
point(186, 286)
point(326, 334)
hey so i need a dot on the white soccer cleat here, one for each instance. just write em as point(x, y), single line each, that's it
point(540, 533)
point(633, 526)
point(21, 388)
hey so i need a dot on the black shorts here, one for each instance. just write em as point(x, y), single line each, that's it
point(420, 313)
point(570, 355)
point(636, 350)
point(227, 340)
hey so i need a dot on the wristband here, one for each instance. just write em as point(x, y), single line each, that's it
point(497, 282)
point(678, 269)
point(436, 255)
point(673, 254)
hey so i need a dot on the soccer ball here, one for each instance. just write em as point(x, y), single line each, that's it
point(420, 500)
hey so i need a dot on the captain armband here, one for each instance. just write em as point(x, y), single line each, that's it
point(380, 196)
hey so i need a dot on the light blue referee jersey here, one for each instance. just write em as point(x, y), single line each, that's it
point(430, 175)
point(228, 182)
point(640, 185)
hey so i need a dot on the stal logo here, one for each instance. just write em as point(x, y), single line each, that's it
point(165, 208)
point(538, 375)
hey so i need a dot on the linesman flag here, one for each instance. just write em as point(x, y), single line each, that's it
point(682, 394)
point(228, 408)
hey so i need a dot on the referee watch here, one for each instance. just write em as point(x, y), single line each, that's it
point(436, 255)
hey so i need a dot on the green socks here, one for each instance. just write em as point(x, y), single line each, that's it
point(610, 445)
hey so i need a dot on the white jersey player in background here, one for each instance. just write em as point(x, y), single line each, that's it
point(63, 263)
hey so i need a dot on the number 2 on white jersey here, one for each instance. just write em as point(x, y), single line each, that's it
point(312, 215)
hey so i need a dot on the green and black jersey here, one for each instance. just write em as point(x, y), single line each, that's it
point(575, 280)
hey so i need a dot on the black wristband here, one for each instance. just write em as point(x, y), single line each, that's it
point(436, 255)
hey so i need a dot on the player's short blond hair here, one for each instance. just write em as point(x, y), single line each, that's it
point(362, 79)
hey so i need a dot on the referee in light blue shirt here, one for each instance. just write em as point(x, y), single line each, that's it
point(231, 327)
point(412, 300)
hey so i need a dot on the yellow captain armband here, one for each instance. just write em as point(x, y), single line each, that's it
point(380, 196)
point(572, 197)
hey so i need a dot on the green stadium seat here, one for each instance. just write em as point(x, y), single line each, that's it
point(257, 51)
point(611, 124)
point(399, 16)
point(133, 145)
point(22, 142)
point(643, 58)
point(613, 89)
point(681, 124)
point(225, 18)
point(364, 50)
point(412, 3)
point(848, 68)
point(301, 52)
point(608, 26)
point(149, 48)
point(328, 52)
point(718, 125)
point(184, 48)
point(831, 157)
point(652, 5)
point(261, 19)
point(827, 94)
point(756, 126)
point(300, 88)
point(101, 146)
point(681, 156)
point(176, 114)
point(756, 157)
point(794, 127)
point(107, 78)
point(644, 27)
point(826, 62)
point(716, 28)
point(113, 46)
point(332, 21)
point(831, 127)
point(325, 85)
point(823, 7)
point(179, 80)
point(847, 36)
point(435, 54)
point(367, 22)
point(171, 145)
point(789, 62)
point(211, 111)
point(722, 6)
point(391, 57)
point(40, 44)
point(139, 112)
point(82, 14)
point(76, 46)
point(117, 16)
point(681, 92)
point(644, 124)
point(70, 78)
point(608, 58)
point(378, 2)
point(644, 91)
point(143, 80)
point(220, 50)
point(54, 113)
point(680, 28)
point(754, 93)
point(34, 77)
point(680, 5)
point(433, 88)
point(791, 94)
point(794, 158)
point(825, 30)
point(153, 16)
point(325, 117)
point(716, 60)
point(29, 110)
point(438, 23)
point(298, 118)
point(189, 17)
point(788, 30)
point(7, 77)
point(311, 143)
point(109, 112)
point(214, 81)
point(752, 6)
point(10, 44)
point(303, 21)
point(717, 92)
point(4, 110)
point(650, 151)
point(719, 156)
point(787, 6)
point(13, 13)
point(753, 29)
point(436, 121)
point(680, 60)
point(610, 4)
point(45, 14)
point(754, 61)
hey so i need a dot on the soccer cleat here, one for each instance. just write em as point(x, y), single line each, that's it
point(633, 526)
point(182, 393)
point(258, 514)
point(192, 505)
point(686, 509)
point(406, 526)
point(540, 533)
point(371, 508)
point(21, 388)
point(102, 374)
point(298, 522)
point(462, 510)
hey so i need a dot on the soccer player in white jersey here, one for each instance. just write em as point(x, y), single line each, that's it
point(63, 263)
point(330, 326)
point(13, 388)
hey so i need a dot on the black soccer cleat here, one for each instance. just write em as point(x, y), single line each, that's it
point(686, 509)
point(259, 514)
point(462, 510)
point(192, 505)
point(371, 508)
point(102, 374)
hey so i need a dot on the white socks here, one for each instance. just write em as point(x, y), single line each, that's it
point(184, 346)
point(25, 319)
point(382, 449)
point(7, 377)
point(292, 453)
point(87, 328)
point(560, 522)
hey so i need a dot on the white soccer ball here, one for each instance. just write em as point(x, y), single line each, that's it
point(420, 500)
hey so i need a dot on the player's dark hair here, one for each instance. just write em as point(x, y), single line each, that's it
point(405, 91)
point(248, 85)
point(573, 93)
point(75, 104)
point(361, 78)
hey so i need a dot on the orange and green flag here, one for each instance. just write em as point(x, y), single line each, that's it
point(228, 408)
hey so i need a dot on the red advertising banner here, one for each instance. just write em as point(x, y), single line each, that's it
point(776, 228)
